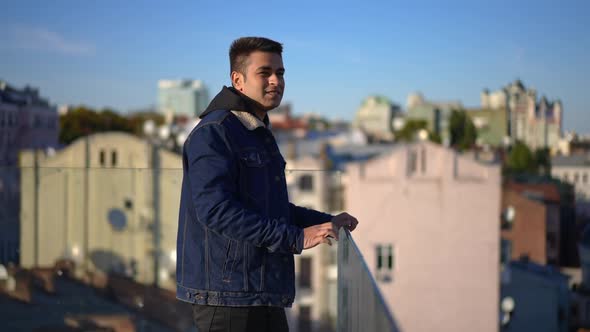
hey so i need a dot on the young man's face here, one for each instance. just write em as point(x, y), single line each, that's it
point(264, 81)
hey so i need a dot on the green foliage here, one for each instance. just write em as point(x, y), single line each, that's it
point(410, 131)
point(543, 161)
point(522, 160)
point(83, 121)
point(138, 119)
point(462, 130)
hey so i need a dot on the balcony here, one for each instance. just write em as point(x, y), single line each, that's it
point(109, 234)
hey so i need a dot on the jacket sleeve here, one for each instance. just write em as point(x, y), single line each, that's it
point(213, 177)
point(304, 217)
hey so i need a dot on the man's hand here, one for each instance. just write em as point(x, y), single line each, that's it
point(344, 220)
point(314, 235)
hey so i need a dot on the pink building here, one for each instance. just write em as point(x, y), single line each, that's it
point(429, 232)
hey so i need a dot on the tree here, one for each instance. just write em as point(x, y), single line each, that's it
point(543, 161)
point(521, 159)
point(138, 119)
point(83, 121)
point(411, 129)
point(462, 130)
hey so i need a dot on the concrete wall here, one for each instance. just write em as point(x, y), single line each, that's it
point(439, 211)
point(98, 213)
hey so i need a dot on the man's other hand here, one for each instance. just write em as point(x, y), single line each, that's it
point(314, 235)
point(344, 220)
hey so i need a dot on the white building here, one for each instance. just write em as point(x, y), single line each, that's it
point(376, 117)
point(27, 121)
point(429, 232)
point(535, 122)
point(575, 170)
point(186, 98)
point(311, 185)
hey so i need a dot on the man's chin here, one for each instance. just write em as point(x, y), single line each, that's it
point(273, 105)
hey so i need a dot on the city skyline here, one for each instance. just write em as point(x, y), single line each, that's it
point(335, 55)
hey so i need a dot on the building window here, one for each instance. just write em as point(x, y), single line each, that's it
point(306, 183)
point(412, 161)
point(305, 272)
point(565, 177)
point(576, 177)
point(505, 251)
point(101, 158)
point(551, 241)
point(304, 321)
point(114, 158)
point(385, 262)
point(585, 178)
point(423, 160)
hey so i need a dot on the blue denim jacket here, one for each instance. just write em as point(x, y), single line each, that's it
point(237, 230)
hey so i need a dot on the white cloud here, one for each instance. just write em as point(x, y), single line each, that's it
point(41, 39)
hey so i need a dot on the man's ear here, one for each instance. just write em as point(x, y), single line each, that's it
point(237, 80)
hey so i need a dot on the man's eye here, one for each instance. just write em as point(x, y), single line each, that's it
point(280, 74)
point(265, 74)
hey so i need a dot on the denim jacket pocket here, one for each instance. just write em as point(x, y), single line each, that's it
point(230, 260)
point(254, 182)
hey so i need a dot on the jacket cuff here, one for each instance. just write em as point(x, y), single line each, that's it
point(297, 246)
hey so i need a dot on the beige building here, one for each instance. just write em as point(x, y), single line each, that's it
point(537, 123)
point(102, 201)
point(376, 117)
point(311, 185)
point(429, 232)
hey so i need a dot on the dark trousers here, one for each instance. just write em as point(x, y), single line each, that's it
point(239, 319)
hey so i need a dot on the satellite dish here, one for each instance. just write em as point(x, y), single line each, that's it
point(164, 132)
point(149, 127)
point(508, 304)
point(509, 214)
point(181, 138)
point(117, 219)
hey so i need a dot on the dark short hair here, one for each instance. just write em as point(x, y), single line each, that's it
point(242, 47)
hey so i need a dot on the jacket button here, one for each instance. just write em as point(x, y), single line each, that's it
point(277, 178)
point(285, 300)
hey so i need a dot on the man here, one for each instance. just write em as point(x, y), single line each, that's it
point(237, 230)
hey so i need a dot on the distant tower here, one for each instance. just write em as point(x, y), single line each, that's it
point(414, 99)
point(485, 99)
point(182, 97)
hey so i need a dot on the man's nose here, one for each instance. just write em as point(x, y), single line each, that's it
point(273, 79)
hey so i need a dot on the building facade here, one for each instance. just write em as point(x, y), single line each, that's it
point(429, 232)
point(435, 113)
point(534, 298)
point(184, 98)
point(530, 228)
point(375, 118)
point(537, 122)
point(312, 184)
point(27, 121)
point(575, 170)
point(108, 201)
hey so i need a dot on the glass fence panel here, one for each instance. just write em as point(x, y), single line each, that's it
point(361, 306)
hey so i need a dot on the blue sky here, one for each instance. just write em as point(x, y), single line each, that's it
point(112, 53)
